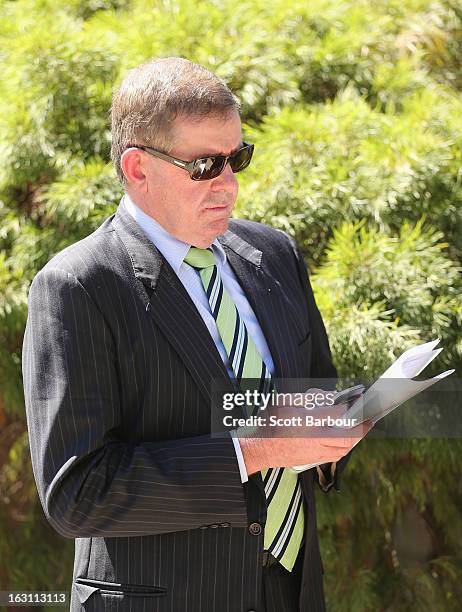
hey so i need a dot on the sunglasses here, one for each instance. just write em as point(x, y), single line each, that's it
point(206, 168)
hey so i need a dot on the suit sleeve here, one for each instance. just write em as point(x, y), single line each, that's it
point(90, 482)
point(326, 475)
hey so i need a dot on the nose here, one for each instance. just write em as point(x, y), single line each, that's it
point(226, 180)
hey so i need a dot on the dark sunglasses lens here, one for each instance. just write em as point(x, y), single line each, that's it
point(241, 159)
point(207, 168)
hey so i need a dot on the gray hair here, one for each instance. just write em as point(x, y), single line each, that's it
point(153, 95)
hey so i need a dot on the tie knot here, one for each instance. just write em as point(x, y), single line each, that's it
point(200, 258)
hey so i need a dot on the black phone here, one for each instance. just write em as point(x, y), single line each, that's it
point(348, 394)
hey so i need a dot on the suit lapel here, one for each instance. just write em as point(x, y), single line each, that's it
point(264, 294)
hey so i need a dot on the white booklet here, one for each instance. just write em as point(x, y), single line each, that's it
point(384, 395)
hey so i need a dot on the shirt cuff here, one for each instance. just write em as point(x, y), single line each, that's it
point(303, 468)
point(240, 458)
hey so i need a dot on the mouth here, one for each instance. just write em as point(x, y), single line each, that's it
point(218, 206)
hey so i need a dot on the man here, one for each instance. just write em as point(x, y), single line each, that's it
point(128, 329)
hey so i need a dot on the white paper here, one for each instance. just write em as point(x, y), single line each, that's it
point(382, 397)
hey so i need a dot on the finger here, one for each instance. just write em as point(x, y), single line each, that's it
point(362, 429)
point(336, 444)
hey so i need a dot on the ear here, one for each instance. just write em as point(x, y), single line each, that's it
point(132, 164)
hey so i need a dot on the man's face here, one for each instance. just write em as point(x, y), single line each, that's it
point(195, 212)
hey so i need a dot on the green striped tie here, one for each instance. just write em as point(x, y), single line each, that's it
point(285, 517)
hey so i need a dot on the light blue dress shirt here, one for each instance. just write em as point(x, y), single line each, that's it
point(175, 251)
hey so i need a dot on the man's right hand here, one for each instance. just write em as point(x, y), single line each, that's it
point(282, 446)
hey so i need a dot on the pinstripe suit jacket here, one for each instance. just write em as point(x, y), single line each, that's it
point(117, 367)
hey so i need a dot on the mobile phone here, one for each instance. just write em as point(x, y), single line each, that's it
point(342, 397)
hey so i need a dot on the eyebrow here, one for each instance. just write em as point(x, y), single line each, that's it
point(220, 153)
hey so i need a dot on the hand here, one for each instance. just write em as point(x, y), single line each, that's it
point(283, 446)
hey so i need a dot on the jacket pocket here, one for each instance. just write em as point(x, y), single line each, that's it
point(85, 587)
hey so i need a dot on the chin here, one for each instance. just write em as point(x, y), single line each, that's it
point(211, 231)
point(220, 227)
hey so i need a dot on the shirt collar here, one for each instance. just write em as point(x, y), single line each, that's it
point(172, 249)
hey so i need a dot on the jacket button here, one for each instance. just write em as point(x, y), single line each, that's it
point(255, 529)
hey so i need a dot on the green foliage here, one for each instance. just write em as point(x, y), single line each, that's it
point(344, 160)
point(18, 506)
point(65, 93)
point(83, 196)
point(408, 273)
point(407, 529)
point(356, 113)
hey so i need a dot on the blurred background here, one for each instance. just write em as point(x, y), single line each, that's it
point(355, 110)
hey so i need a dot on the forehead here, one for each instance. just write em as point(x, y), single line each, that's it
point(207, 136)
